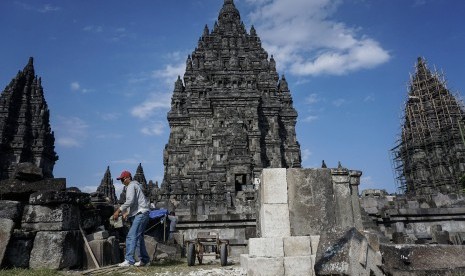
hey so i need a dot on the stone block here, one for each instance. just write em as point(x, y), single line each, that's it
point(103, 253)
point(274, 220)
point(314, 241)
point(410, 258)
point(151, 245)
point(58, 197)
point(273, 187)
point(56, 250)
point(311, 202)
point(11, 210)
point(346, 252)
point(298, 266)
point(27, 171)
point(6, 229)
point(50, 218)
point(297, 246)
point(266, 247)
point(18, 253)
point(244, 260)
point(20, 190)
point(265, 266)
point(100, 235)
point(91, 219)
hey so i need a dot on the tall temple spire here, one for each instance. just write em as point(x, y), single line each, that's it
point(429, 156)
point(25, 133)
point(107, 188)
point(228, 121)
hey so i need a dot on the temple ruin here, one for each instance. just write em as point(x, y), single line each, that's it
point(430, 152)
point(25, 133)
point(231, 116)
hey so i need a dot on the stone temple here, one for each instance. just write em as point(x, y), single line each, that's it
point(231, 116)
point(25, 133)
point(430, 152)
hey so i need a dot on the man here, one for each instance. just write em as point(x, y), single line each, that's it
point(173, 220)
point(136, 209)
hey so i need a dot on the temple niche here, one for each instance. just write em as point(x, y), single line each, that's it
point(25, 133)
point(231, 116)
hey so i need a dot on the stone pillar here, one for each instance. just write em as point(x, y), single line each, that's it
point(342, 197)
point(354, 183)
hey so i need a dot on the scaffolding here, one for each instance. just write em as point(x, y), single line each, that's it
point(429, 155)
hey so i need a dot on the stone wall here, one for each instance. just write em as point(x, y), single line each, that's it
point(307, 225)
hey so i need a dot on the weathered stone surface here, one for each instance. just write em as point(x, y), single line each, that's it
point(91, 219)
point(410, 257)
point(297, 246)
point(6, 229)
point(264, 266)
point(311, 205)
point(298, 266)
point(100, 235)
point(346, 252)
point(27, 171)
point(19, 249)
point(56, 250)
point(11, 210)
point(274, 220)
point(103, 252)
point(14, 189)
point(18, 253)
point(49, 218)
point(58, 197)
point(266, 247)
point(274, 188)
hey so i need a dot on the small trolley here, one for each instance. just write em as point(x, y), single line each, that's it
point(207, 244)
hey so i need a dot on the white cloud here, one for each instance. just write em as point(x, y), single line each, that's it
point(312, 98)
point(170, 73)
point(153, 129)
point(304, 39)
point(93, 29)
point(70, 131)
point(310, 118)
point(339, 102)
point(128, 161)
point(89, 189)
point(149, 106)
point(75, 86)
point(306, 153)
point(48, 8)
point(369, 98)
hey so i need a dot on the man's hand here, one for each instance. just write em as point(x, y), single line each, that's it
point(116, 214)
point(125, 215)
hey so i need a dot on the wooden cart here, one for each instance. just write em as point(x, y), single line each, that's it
point(207, 244)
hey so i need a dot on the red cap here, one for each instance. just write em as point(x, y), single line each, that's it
point(124, 174)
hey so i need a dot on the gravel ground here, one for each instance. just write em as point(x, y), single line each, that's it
point(210, 267)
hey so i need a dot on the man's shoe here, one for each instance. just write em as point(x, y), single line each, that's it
point(140, 263)
point(126, 263)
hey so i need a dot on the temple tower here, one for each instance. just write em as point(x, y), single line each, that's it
point(107, 188)
point(25, 133)
point(231, 116)
point(430, 154)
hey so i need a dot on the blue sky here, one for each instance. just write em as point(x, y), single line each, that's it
point(108, 69)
